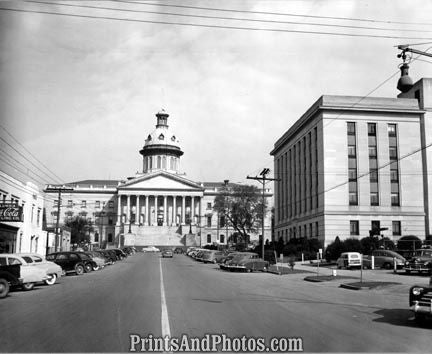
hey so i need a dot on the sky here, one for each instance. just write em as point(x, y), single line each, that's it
point(78, 94)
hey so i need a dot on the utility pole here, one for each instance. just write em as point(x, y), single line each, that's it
point(226, 212)
point(263, 180)
point(59, 190)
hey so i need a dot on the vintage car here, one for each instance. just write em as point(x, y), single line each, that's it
point(167, 253)
point(421, 262)
point(53, 270)
point(349, 260)
point(98, 258)
point(76, 262)
point(9, 276)
point(150, 249)
point(213, 256)
point(246, 261)
point(29, 274)
point(384, 259)
point(420, 301)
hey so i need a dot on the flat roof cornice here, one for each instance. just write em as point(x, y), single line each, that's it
point(350, 104)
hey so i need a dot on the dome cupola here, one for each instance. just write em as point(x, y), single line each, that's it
point(161, 149)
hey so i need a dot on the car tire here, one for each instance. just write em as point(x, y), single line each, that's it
point(79, 269)
point(248, 270)
point(387, 265)
point(88, 267)
point(408, 272)
point(63, 273)
point(27, 286)
point(52, 279)
point(4, 288)
point(420, 318)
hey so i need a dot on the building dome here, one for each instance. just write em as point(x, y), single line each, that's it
point(161, 150)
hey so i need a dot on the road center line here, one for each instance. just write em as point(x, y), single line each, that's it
point(164, 315)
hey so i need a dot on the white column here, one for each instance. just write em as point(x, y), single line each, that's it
point(155, 209)
point(118, 210)
point(199, 210)
point(182, 221)
point(128, 210)
point(174, 219)
point(146, 215)
point(137, 211)
point(192, 210)
point(165, 214)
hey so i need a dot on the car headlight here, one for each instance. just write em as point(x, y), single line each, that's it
point(407, 263)
point(417, 291)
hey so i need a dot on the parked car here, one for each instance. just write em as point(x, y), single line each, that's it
point(9, 276)
point(246, 261)
point(179, 250)
point(213, 256)
point(98, 258)
point(349, 260)
point(72, 262)
point(150, 249)
point(111, 257)
point(119, 254)
point(167, 253)
point(29, 274)
point(53, 270)
point(420, 300)
point(228, 257)
point(421, 263)
point(384, 259)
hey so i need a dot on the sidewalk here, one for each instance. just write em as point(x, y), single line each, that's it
point(383, 275)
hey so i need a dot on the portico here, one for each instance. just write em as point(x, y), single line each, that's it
point(158, 209)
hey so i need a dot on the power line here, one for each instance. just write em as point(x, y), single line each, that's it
point(29, 152)
point(273, 13)
point(228, 18)
point(25, 157)
point(212, 26)
point(19, 163)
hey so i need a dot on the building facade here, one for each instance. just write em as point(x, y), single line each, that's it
point(158, 206)
point(350, 165)
point(25, 235)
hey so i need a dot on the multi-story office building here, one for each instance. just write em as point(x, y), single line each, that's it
point(353, 164)
point(23, 233)
point(159, 206)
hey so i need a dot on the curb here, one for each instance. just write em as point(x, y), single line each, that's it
point(352, 287)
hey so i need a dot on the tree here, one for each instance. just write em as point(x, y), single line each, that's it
point(409, 242)
point(80, 229)
point(242, 207)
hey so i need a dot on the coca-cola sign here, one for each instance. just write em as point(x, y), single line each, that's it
point(11, 212)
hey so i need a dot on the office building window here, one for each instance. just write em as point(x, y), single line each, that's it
point(110, 238)
point(209, 206)
point(376, 225)
point(84, 204)
point(111, 204)
point(97, 204)
point(373, 165)
point(395, 199)
point(396, 228)
point(394, 164)
point(209, 238)
point(209, 221)
point(352, 164)
point(354, 228)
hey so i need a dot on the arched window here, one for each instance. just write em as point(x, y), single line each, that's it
point(159, 162)
point(164, 163)
point(145, 165)
point(172, 163)
point(150, 162)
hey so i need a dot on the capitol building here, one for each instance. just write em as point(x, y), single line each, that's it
point(157, 207)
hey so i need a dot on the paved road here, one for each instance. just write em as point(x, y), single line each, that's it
point(98, 311)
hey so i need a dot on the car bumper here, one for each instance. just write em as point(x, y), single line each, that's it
point(416, 268)
point(421, 308)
